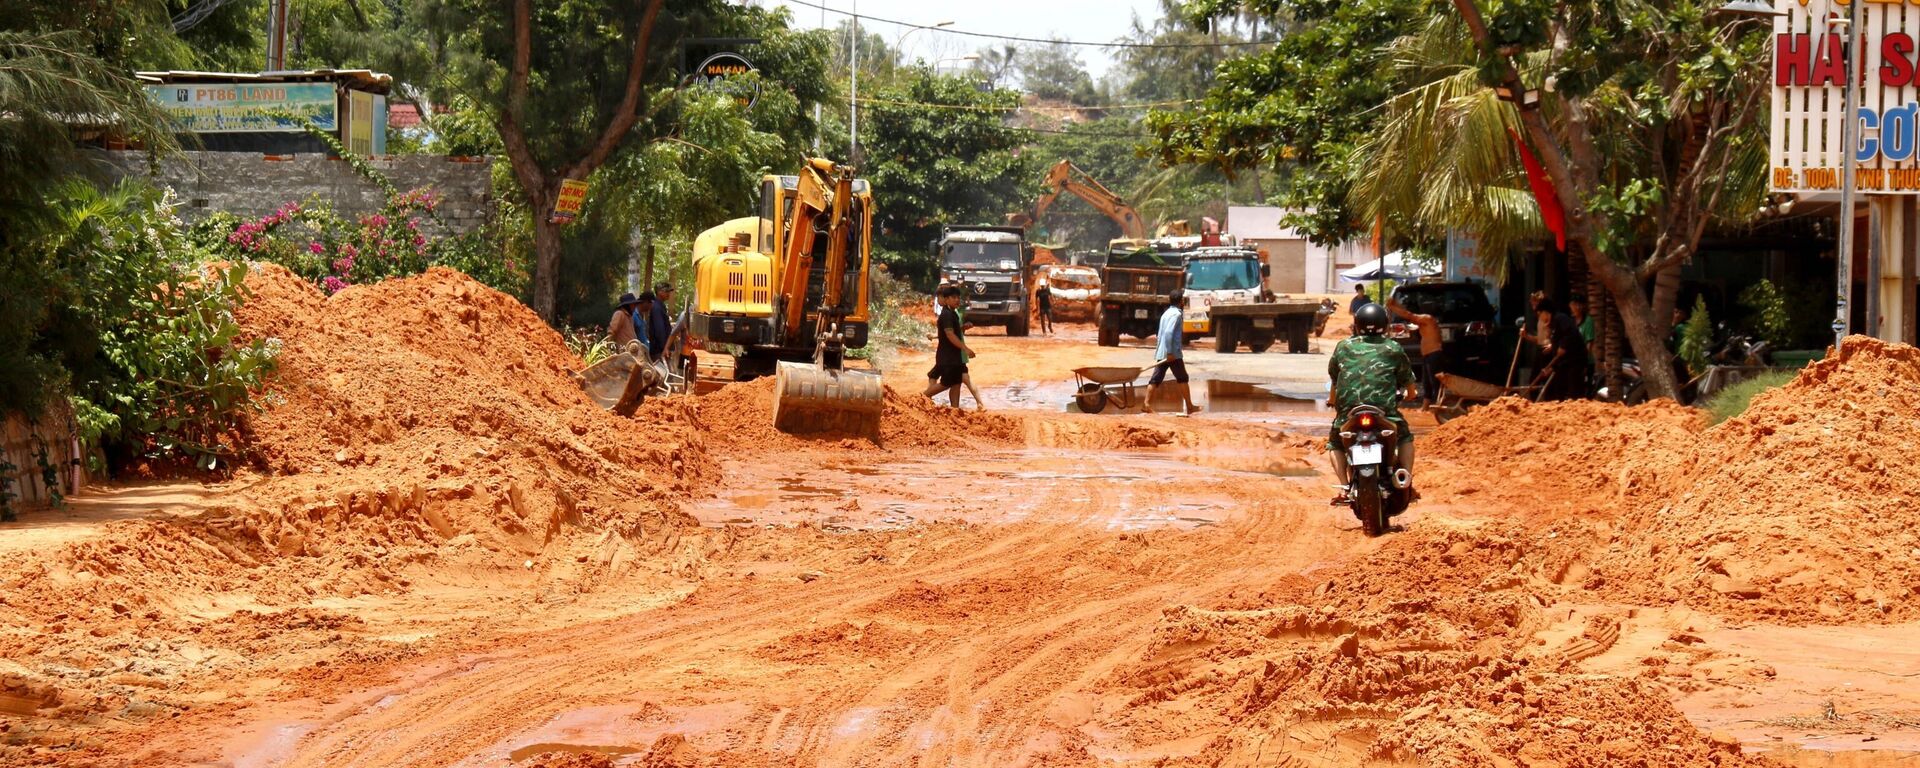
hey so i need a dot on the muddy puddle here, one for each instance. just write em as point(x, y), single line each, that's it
point(1210, 396)
point(1800, 757)
point(1111, 490)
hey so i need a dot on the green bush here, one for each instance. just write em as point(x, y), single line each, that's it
point(1733, 401)
point(1696, 338)
point(1769, 312)
point(889, 325)
point(167, 373)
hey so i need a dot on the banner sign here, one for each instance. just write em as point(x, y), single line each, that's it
point(573, 196)
point(721, 72)
point(1809, 58)
point(247, 108)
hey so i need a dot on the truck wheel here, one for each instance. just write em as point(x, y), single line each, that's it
point(1109, 331)
point(1226, 337)
point(1261, 344)
point(1017, 326)
point(1297, 339)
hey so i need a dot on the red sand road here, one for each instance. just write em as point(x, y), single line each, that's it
point(443, 555)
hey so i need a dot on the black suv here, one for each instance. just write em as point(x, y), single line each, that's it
point(1466, 323)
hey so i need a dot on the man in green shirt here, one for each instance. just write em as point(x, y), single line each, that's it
point(1369, 369)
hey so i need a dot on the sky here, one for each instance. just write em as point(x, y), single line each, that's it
point(1085, 20)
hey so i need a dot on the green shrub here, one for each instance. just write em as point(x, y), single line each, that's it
point(1696, 338)
point(1769, 308)
point(155, 361)
point(889, 325)
point(1733, 401)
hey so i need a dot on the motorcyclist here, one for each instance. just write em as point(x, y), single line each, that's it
point(1370, 369)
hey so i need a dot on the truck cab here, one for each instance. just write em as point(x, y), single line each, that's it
point(1220, 276)
point(990, 263)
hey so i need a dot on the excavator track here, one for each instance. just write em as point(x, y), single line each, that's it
point(809, 399)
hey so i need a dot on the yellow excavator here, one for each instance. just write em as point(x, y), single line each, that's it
point(787, 290)
point(1064, 176)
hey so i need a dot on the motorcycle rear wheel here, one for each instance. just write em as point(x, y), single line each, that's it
point(1369, 506)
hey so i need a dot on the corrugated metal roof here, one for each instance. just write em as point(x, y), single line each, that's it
point(356, 79)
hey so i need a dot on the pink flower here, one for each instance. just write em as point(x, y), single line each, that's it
point(419, 240)
point(343, 265)
point(332, 284)
point(316, 248)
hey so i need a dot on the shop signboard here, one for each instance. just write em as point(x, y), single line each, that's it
point(247, 107)
point(1808, 62)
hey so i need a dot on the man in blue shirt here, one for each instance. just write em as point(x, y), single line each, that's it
point(1166, 357)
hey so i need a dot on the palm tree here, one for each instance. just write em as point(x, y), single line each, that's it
point(49, 87)
point(1678, 147)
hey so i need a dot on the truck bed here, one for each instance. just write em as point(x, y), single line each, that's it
point(1280, 308)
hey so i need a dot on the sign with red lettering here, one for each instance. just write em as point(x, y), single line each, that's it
point(573, 196)
point(1809, 60)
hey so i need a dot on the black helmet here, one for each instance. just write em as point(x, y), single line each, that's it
point(1370, 320)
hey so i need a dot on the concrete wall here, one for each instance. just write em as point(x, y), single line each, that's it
point(1287, 260)
point(20, 443)
point(253, 185)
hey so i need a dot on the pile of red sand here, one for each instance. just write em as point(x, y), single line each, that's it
point(1423, 652)
point(1579, 456)
point(1799, 510)
point(1804, 508)
point(739, 418)
point(445, 388)
point(412, 422)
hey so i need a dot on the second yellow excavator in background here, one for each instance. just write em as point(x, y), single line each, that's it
point(1064, 176)
point(788, 290)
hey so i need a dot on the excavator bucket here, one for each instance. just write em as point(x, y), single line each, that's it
point(809, 399)
point(619, 383)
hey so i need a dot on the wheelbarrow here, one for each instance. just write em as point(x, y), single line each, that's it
point(1459, 394)
point(1096, 386)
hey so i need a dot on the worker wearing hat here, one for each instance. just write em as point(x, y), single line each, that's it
point(629, 321)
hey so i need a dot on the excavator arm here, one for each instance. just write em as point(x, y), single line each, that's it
point(1064, 176)
point(821, 396)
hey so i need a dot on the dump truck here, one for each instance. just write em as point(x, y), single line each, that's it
point(990, 263)
point(1136, 286)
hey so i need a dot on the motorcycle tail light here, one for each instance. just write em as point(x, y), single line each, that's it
point(1478, 329)
point(1366, 421)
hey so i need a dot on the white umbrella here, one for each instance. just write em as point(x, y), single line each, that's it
point(1399, 265)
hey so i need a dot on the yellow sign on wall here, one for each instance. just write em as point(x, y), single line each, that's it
point(573, 196)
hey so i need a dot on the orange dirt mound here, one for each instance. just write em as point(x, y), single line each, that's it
point(1576, 456)
point(740, 417)
point(1801, 509)
point(1422, 652)
point(420, 421)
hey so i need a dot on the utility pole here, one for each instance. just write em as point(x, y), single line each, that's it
point(816, 105)
point(1849, 143)
point(853, 91)
point(276, 35)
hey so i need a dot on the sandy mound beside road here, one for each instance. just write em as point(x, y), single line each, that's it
point(738, 418)
point(1802, 509)
point(424, 427)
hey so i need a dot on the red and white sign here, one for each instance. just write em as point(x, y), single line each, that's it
point(1808, 69)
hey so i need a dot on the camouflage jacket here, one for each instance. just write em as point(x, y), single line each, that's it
point(1369, 371)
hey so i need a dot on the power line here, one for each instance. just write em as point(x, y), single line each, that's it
point(1019, 39)
point(1018, 108)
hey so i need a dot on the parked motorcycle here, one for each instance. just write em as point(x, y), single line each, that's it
point(1377, 486)
point(1738, 349)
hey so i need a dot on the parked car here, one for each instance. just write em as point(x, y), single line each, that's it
point(1466, 324)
